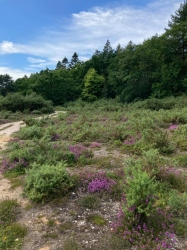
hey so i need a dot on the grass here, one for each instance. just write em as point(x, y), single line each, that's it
point(11, 233)
point(65, 227)
point(51, 223)
point(71, 244)
point(50, 235)
point(89, 201)
point(97, 219)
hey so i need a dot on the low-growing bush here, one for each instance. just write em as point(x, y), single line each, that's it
point(140, 222)
point(80, 150)
point(44, 182)
point(95, 182)
point(30, 132)
point(177, 202)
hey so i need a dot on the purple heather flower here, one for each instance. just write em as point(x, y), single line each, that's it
point(172, 127)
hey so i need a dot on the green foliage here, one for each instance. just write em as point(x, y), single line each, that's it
point(6, 84)
point(93, 84)
point(97, 219)
point(30, 132)
point(44, 182)
point(139, 190)
point(182, 160)
point(157, 139)
point(180, 227)
point(11, 236)
point(11, 233)
point(17, 102)
point(180, 137)
point(177, 202)
point(9, 209)
point(152, 159)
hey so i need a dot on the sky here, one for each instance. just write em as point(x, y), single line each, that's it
point(36, 34)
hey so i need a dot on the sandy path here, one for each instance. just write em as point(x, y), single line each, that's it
point(6, 131)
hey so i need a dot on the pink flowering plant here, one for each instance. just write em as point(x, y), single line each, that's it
point(19, 164)
point(95, 182)
point(95, 145)
point(173, 127)
point(131, 140)
point(80, 150)
point(139, 220)
point(154, 232)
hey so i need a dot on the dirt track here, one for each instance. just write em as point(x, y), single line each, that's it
point(6, 131)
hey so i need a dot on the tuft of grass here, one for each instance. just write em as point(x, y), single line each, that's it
point(65, 227)
point(51, 223)
point(9, 209)
point(97, 219)
point(50, 235)
point(71, 244)
point(89, 201)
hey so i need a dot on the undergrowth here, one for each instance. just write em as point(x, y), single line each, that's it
point(103, 136)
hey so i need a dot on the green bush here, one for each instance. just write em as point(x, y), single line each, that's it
point(44, 182)
point(139, 191)
point(177, 202)
point(32, 102)
point(30, 132)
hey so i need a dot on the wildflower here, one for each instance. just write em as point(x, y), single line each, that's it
point(172, 127)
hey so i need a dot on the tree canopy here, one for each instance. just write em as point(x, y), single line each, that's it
point(155, 68)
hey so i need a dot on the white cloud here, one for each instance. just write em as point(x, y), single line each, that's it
point(88, 31)
point(35, 60)
point(8, 48)
point(14, 73)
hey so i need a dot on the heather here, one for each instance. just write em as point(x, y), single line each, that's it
point(106, 152)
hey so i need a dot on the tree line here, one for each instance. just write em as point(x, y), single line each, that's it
point(155, 68)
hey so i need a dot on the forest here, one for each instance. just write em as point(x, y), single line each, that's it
point(155, 68)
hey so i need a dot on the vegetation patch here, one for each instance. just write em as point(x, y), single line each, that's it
point(11, 233)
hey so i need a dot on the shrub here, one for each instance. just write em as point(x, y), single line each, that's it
point(156, 139)
point(175, 178)
point(44, 182)
point(80, 150)
point(17, 165)
point(30, 132)
point(32, 102)
point(140, 191)
point(140, 221)
point(177, 202)
point(95, 182)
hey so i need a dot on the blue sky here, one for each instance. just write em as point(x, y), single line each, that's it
point(35, 34)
